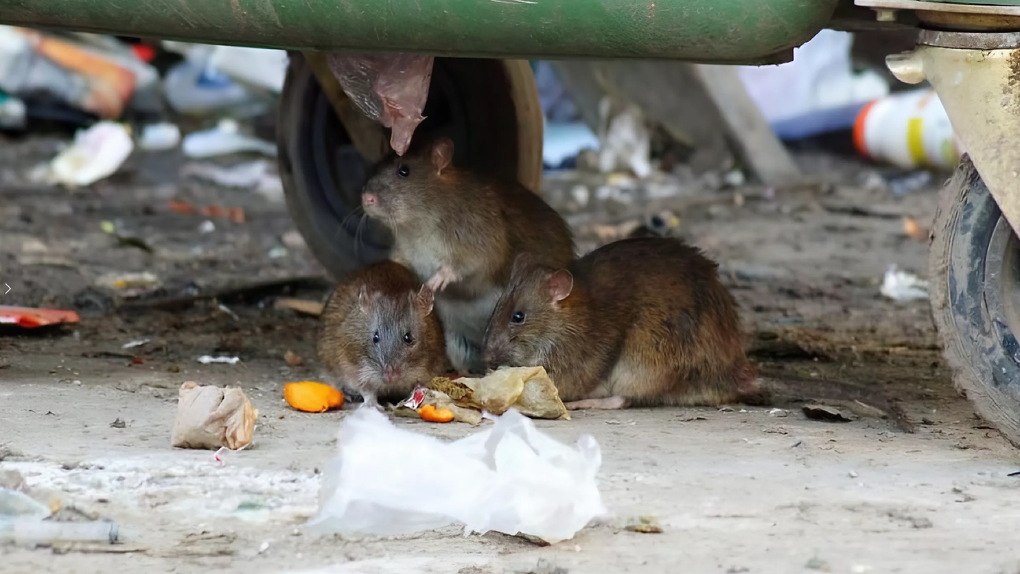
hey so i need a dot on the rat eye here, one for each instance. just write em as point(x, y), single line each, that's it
point(375, 338)
point(517, 317)
point(408, 338)
point(403, 171)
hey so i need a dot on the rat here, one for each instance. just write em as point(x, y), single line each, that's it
point(379, 335)
point(638, 322)
point(460, 232)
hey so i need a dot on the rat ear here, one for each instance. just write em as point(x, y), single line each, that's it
point(442, 154)
point(362, 296)
point(425, 299)
point(561, 283)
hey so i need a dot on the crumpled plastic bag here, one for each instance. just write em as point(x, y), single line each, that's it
point(210, 417)
point(388, 88)
point(510, 478)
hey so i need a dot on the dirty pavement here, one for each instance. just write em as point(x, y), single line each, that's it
point(892, 472)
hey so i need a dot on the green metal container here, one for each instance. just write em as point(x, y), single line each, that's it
point(723, 31)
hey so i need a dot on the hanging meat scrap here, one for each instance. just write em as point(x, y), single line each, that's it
point(390, 89)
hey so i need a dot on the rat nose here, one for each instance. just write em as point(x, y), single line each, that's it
point(369, 199)
point(391, 374)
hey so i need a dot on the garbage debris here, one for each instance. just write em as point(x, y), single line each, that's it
point(13, 114)
point(235, 214)
point(225, 139)
point(124, 240)
point(312, 397)
point(209, 417)
point(305, 306)
point(259, 175)
point(624, 139)
point(909, 130)
point(209, 360)
point(903, 286)
point(197, 87)
point(256, 67)
point(815, 93)
point(128, 280)
point(95, 154)
point(645, 525)
point(436, 406)
point(390, 89)
point(32, 63)
point(29, 318)
point(527, 389)
point(23, 521)
point(561, 142)
point(293, 359)
point(914, 230)
point(826, 413)
point(135, 343)
point(510, 478)
point(159, 137)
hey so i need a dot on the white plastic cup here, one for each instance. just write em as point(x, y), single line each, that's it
point(909, 130)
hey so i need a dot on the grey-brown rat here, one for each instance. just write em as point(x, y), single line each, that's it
point(379, 335)
point(638, 322)
point(460, 232)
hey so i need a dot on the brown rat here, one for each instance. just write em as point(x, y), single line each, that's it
point(379, 335)
point(637, 322)
point(460, 232)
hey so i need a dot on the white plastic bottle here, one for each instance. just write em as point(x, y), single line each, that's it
point(909, 130)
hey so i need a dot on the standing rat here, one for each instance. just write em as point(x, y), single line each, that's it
point(460, 232)
point(638, 322)
point(379, 335)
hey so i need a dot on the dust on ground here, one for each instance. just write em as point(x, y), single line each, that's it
point(914, 483)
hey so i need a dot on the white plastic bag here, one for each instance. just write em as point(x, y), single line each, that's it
point(510, 478)
point(388, 88)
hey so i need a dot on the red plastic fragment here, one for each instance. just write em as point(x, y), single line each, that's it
point(28, 317)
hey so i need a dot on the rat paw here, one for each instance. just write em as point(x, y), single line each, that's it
point(441, 279)
point(607, 404)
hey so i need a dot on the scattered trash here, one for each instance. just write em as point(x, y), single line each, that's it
point(561, 142)
point(817, 563)
point(434, 414)
point(235, 214)
point(645, 525)
point(305, 306)
point(312, 397)
point(815, 93)
point(32, 63)
point(135, 343)
point(159, 137)
point(123, 240)
point(208, 360)
point(852, 474)
point(23, 521)
point(257, 67)
point(388, 88)
point(118, 424)
point(277, 252)
point(914, 230)
point(529, 390)
point(128, 280)
point(624, 139)
point(29, 318)
point(908, 183)
point(826, 413)
point(209, 417)
point(95, 154)
point(225, 139)
point(13, 114)
point(902, 286)
point(292, 359)
point(259, 175)
point(195, 86)
point(909, 130)
point(510, 478)
point(779, 413)
point(207, 227)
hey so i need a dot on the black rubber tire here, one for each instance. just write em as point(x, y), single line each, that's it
point(974, 271)
point(470, 100)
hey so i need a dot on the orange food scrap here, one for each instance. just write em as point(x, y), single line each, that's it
point(914, 230)
point(312, 397)
point(433, 415)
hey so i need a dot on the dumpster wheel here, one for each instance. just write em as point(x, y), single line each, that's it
point(974, 271)
point(488, 107)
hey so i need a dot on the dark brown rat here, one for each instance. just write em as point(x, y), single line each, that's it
point(379, 335)
point(460, 232)
point(638, 322)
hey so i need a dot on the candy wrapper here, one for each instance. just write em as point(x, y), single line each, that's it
point(510, 478)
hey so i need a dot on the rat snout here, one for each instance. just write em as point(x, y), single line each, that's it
point(391, 374)
point(369, 199)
